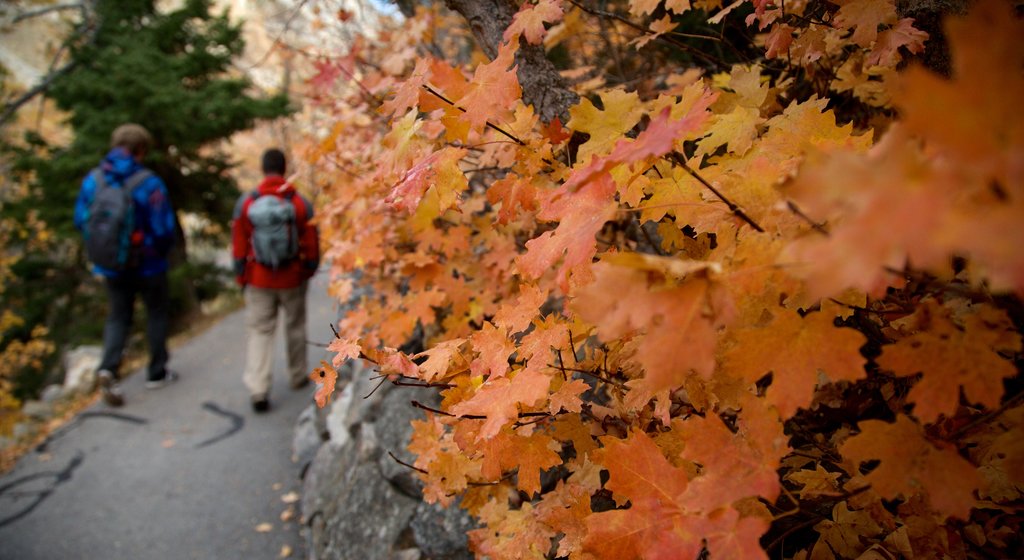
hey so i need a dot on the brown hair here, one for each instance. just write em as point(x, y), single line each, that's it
point(131, 137)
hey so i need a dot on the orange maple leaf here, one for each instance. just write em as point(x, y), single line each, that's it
point(864, 17)
point(529, 454)
point(950, 358)
point(346, 348)
point(499, 399)
point(679, 323)
point(493, 91)
point(325, 378)
point(439, 171)
point(494, 348)
point(581, 216)
point(530, 19)
point(661, 522)
point(795, 349)
point(911, 464)
point(517, 316)
point(439, 357)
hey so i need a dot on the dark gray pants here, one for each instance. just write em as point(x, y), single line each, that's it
point(121, 294)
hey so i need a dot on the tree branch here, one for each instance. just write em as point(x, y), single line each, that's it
point(543, 87)
point(46, 10)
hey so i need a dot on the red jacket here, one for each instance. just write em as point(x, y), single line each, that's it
point(295, 272)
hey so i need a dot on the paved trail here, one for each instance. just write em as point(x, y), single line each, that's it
point(185, 472)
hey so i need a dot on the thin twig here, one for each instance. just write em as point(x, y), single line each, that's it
point(796, 210)
point(489, 125)
point(404, 464)
point(988, 417)
point(664, 38)
point(734, 208)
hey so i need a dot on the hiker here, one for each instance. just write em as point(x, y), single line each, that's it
point(128, 225)
point(276, 250)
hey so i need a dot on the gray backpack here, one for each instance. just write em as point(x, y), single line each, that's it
point(111, 220)
point(275, 233)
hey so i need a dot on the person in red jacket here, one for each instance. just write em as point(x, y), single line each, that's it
point(276, 250)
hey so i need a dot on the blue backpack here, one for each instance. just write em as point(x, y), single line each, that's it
point(111, 221)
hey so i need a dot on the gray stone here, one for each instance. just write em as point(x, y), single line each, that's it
point(353, 513)
point(307, 439)
point(407, 554)
point(37, 410)
point(80, 369)
point(441, 532)
point(23, 430)
point(51, 393)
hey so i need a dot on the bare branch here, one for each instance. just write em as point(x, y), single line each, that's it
point(46, 10)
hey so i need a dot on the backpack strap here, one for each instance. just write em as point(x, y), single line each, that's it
point(136, 179)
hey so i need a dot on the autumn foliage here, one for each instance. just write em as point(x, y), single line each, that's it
point(745, 310)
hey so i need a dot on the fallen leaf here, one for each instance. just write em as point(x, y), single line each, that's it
point(286, 551)
point(290, 497)
point(167, 443)
point(264, 528)
point(287, 515)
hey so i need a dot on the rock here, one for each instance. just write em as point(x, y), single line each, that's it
point(307, 439)
point(441, 532)
point(353, 512)
point(51, 393)
point(37, 410)
point(80, 369)
point(23, 430)
point(408, 554)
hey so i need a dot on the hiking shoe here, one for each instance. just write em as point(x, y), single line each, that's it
point(300, 383)
point(260, 404)
point(110, 388)
point(168, 378)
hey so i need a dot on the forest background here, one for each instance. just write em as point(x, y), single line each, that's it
point(692, 279)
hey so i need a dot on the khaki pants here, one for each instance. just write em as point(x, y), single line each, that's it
point(261, 307)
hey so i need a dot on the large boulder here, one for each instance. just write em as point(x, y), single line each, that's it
point(359, 500)
point(80, 369)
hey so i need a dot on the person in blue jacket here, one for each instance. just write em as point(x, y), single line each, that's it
point(151, 236)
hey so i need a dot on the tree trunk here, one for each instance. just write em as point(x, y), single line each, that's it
point(542, 86)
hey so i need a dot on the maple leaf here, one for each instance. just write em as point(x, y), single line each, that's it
point(815, 482)
point(778, 40)
point(911, 464)
point(847, 530)
point(795, 349)
point(555, 132)
point(885, 51)
point(567, 397)
point(408, 94)
point(515, 193)
point(547, 334)
point(657, 29)
point(565, 510)
point(686, 316)
point(494, 348)
point(658, 139)
point(438, 171)
point(325, 378)
point(621, 112)
point(581, 216)
point(510, 533)
point(530, 19)
point(951, 358)
point(517, 316)
point(492, 91)
point(641, 8)
point(327, 72)
point(346, 348)
point(864, 17)
point(438, 359)
point(736, 129)
point(529, 454)
point(499, 398)
point(661, 522)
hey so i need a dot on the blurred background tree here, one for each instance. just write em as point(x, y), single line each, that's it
point(122, 61)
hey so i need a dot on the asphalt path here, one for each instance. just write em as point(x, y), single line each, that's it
point(183, 472)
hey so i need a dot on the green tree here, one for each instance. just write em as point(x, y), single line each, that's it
point(128, 62)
